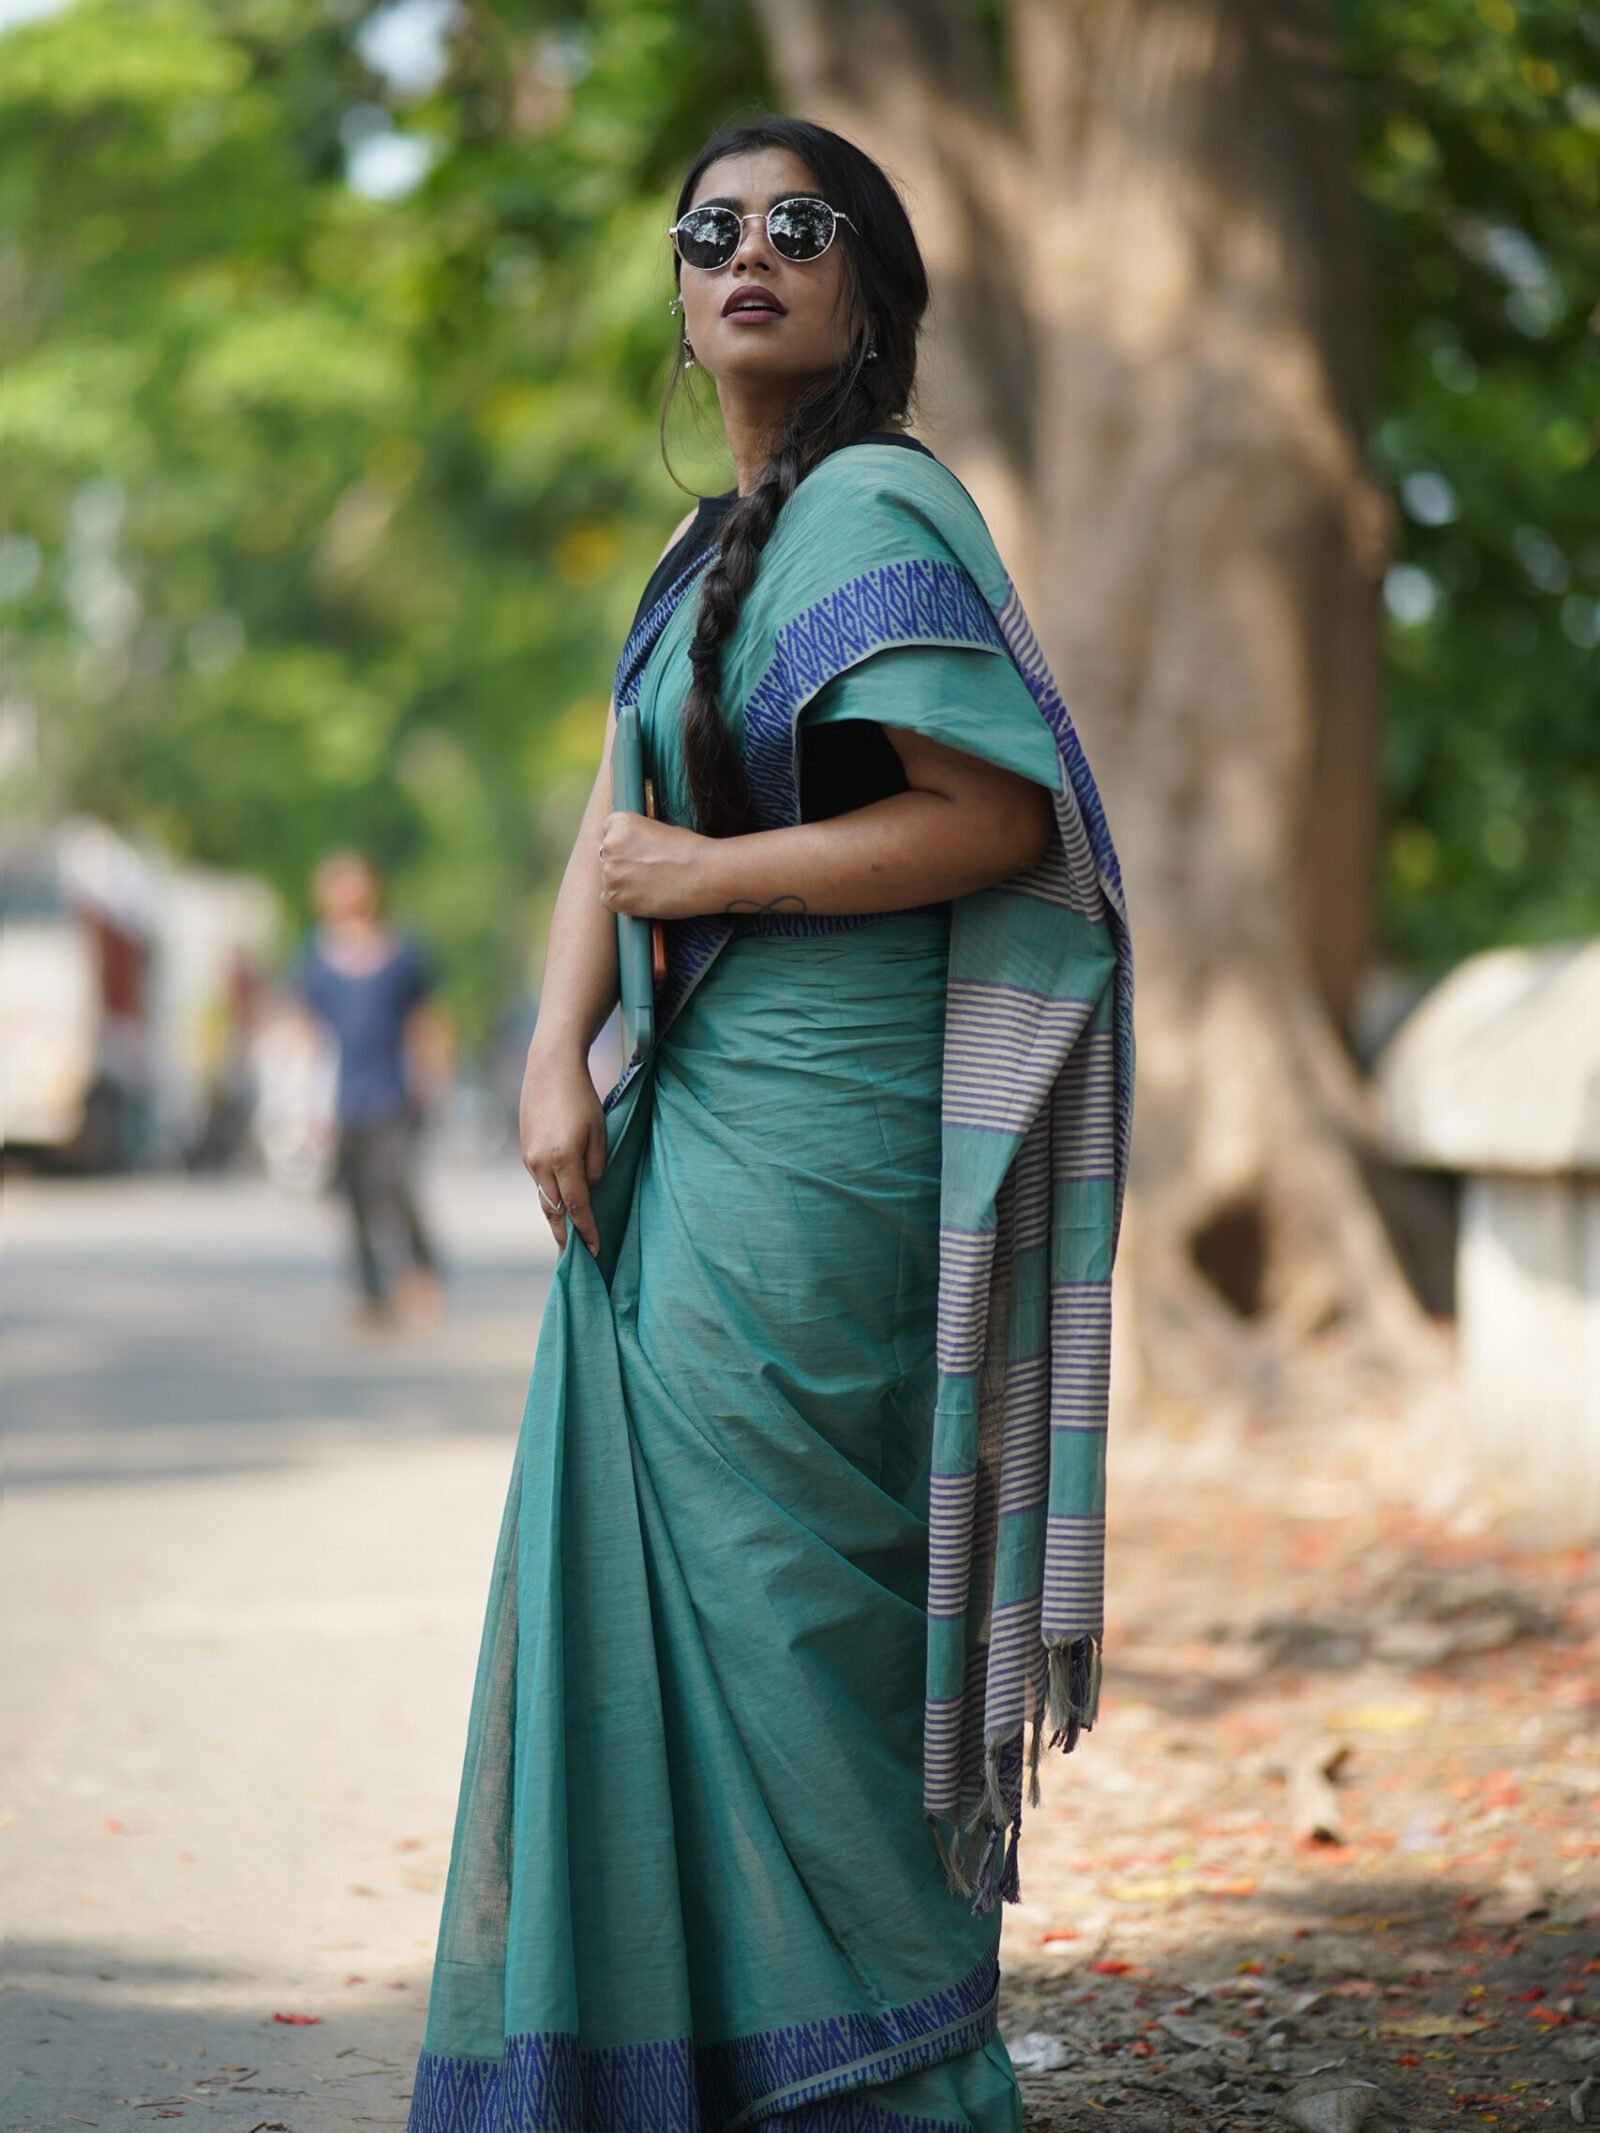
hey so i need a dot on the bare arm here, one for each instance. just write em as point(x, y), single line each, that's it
point(562, 1120)
point(965, 824)
point(580, 965)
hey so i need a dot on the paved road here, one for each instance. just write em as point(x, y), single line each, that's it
point(245, 1554)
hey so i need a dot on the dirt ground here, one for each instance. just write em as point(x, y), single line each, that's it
point(1330, 1858)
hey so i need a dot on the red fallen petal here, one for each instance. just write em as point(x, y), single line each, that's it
point(1534, 1992)
point(113, 1827)
point(299, 2021)
point(1111, 1968)
point(1408, 2059)
point(355, 1979)
point(1064, 1934)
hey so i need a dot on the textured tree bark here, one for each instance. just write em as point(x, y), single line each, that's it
point(1148, 359)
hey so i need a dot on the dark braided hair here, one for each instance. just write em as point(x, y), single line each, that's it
point(883, 275)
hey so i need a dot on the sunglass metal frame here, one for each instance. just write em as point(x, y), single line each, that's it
point(754, 215)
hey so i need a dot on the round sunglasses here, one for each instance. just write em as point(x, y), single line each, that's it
point(798, 229)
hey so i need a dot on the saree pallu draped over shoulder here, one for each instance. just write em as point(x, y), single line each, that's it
point(806, 1519)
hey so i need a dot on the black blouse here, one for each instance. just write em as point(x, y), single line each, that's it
point(845, 764)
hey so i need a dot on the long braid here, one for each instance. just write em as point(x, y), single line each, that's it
point(713, 757)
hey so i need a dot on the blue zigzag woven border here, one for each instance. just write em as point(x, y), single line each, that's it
point(642, 637)
point(548, 2083)
point(923, 601)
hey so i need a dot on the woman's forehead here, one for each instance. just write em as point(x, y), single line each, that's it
point(751, 183)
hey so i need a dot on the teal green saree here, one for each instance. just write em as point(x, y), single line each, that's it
point(806, 1514)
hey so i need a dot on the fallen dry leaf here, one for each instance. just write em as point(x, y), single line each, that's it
point(1434, 2025)
point(1381, 1717)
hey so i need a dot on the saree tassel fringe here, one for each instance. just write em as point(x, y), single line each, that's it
point(986, 1882)
point(1074, 1689)
point(957, 1878)
point(997, 1879)
point(1002, 1782)
point(1010, 1878)
point(973, 1862)
point(1070, 1703)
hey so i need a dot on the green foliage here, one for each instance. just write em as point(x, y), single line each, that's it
point(326, 512)
point(1479, 157)
point(327, 504)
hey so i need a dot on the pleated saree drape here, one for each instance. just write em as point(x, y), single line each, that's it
point(807, 1511)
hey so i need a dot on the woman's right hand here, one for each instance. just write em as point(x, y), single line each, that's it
point(563, 1131)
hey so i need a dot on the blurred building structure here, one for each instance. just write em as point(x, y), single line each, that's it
point(127, 987)
point(1496, 1075)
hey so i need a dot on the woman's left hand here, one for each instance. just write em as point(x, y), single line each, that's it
point(652, 869)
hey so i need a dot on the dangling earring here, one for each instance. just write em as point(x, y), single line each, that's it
point(872, 351)
point(689, 359)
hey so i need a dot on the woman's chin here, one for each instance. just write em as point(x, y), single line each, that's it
point(768, 365)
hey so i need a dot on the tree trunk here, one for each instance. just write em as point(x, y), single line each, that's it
point(1148, 359)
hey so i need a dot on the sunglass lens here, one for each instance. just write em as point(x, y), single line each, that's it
point(708, 236)
point(801, 229)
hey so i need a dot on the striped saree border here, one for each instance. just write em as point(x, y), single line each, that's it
point(549, 2083)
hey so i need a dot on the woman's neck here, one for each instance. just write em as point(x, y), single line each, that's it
point(753, 418)
point(357, 943)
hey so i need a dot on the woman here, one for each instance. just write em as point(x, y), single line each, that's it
point(808, 1504)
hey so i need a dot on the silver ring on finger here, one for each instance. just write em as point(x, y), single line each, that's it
point(551, 1207)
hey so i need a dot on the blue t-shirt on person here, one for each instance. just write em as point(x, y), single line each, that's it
point(366, 1011)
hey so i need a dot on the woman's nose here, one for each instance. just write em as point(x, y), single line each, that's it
point(754, 243)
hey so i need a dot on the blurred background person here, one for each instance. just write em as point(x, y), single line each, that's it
point(371, 987)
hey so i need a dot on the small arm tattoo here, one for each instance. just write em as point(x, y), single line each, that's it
point(743, 904)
